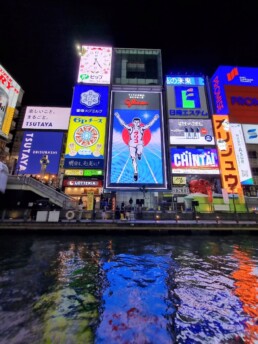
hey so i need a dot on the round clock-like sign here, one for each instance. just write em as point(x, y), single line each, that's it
point(86, 135)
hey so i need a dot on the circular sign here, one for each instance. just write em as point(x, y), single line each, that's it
point(86, 135)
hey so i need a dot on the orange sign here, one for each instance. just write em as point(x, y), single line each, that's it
point(226, 153)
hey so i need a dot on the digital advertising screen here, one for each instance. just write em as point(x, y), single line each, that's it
point(85, 142)
point(241, 154)
point(250, 132)
point(95, 65)
point(194, 161)
point(36, 144)
point(9, 94)
point(224, 84)
point(90, 101)
point(231, 181)
point(242, 104)
point(46, 118)
point(136, 151)
point(191, 132)
point(186, 97)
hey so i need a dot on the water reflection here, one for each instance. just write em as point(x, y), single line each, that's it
point(128, 289)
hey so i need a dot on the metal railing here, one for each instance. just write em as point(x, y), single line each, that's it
point(31, 184)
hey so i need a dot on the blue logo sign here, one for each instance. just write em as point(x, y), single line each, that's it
point(187, 97)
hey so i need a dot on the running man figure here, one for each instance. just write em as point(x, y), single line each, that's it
point(136, 143)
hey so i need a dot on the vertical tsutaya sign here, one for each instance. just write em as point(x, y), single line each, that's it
point(90, 101)
point(136, 150)
point(241, 154)
point(228, 164)
point(186, 97)
point(9, 93)
point(85, 142)
point(95, 65)
point(35, 145)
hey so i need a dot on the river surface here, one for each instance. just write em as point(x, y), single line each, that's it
point(130, 289)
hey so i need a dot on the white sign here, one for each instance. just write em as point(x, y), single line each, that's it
point(95, 65)
point(250, 133)
point(46, 118)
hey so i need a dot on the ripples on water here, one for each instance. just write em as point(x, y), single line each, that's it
point(128, 289)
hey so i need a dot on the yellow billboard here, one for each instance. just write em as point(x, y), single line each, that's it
point(85, 142)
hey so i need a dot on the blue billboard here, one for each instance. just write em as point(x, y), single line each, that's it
point(35, 145)
point(90, 101)
point(227, 76)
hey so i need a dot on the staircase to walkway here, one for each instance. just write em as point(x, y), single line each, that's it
point(30, 184)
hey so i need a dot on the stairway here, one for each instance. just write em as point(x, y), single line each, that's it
point(30, 184)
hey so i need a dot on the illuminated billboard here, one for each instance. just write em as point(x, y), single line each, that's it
point(46, 118)
point(34, 146)
point(194, 161)
point(241, 154)
point(85, 142)
point(9, 94)
point(95, 65)
point(250, 133)
point(235, 93)
point(90, 101)
point(228, 165)
point(136, 150)
point(191, 132)
point(186, 97)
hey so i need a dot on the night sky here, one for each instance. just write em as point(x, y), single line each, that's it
point(38, 38)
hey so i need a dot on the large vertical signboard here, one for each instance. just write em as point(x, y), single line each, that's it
point(231, 181)
point(9, 93)
point(241, 154)
point(186, 97)
point(235, 93)
point(136, 150)
point(90, 101)
point(95, 65)
point(35, 145)
point(85, 142)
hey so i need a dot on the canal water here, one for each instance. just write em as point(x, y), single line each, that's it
point(141, 289)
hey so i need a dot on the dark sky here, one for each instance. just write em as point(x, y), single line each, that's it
point(38, 38)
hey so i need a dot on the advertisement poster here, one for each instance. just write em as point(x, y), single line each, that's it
point(9, 94)
point(85, 142)
point(194, 161)
point(35, 145)
point(46, 118)
point(191, 132)
point(90, 101)
point(136, 145)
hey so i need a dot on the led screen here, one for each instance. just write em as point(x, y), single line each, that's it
point(194, 161)
point(85, 142)
point(46, 118)
point(9, 94)
point(35, 145)
point(231, 77)
point(95, 65)
point(191, 132)
point(186, 99)
point(136, 145)
point(90, 101)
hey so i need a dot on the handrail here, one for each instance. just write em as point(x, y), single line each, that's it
point(55, 196)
